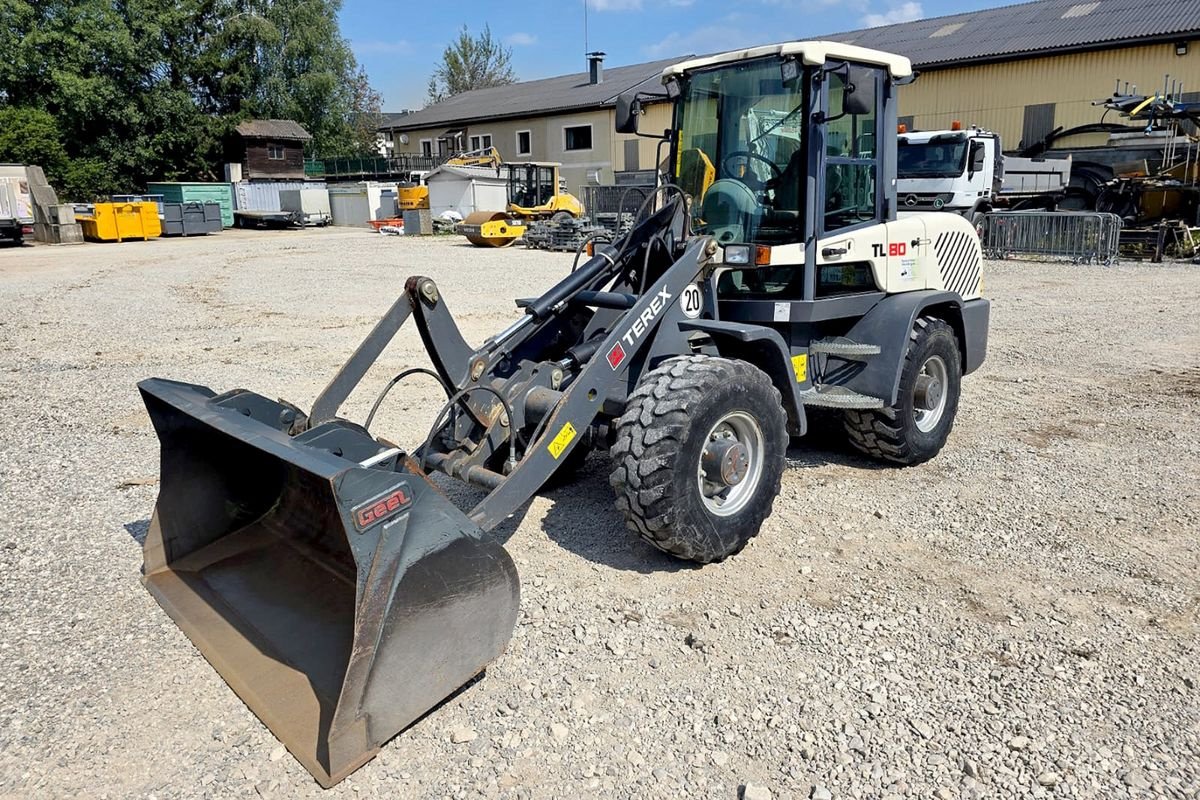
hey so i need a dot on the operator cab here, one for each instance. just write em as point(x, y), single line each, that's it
point(756, 132)
point(531, 185)
point(742, 152)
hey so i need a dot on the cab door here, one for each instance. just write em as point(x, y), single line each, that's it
point(851, 197)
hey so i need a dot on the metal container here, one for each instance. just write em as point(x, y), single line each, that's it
point(116, 222)
point(220, 193)
point(191, 219)
point(265, 195)
point(465, 190)
point(357, 204)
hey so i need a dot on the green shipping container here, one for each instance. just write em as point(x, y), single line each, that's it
point(221, 193)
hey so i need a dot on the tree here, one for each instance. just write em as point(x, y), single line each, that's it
point(471, 62)
point(142, 90)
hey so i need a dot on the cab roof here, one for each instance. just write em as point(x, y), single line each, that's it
point(812, 53)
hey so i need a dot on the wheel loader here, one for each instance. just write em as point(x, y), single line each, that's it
point(317, 565)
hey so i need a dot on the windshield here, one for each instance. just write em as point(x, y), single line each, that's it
point(936, 158)
point(740, 156)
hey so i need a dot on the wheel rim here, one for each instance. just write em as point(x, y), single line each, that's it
point(929, 394)
point(731, 464)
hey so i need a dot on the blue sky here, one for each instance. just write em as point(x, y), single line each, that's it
point(400, 41)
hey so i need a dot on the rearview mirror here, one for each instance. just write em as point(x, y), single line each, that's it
point(860, 91)
point(978, 154)
point(629, 108)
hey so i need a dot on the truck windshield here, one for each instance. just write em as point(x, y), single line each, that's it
point(935, 158)
point(740, 155)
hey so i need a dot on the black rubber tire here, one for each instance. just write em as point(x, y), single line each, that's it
point(657, 449)
point(891, 434)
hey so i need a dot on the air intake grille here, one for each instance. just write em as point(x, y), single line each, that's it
point(958, 261)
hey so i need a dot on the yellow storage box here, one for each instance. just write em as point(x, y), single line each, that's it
point(116, 222)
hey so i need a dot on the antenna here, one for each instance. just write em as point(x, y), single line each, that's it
point(586, 48)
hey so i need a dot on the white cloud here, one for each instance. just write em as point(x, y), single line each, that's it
point(521, 39)
point(905, 12)
point(399, 47)
point(706, 39)
point(615, 5)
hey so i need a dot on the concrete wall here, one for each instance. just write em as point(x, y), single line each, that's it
point(994, 96)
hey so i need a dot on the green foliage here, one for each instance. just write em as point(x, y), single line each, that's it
point(141, 90)
point(471, 62)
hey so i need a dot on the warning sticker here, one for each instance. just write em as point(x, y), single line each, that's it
point(800, 367)
point(564, 438)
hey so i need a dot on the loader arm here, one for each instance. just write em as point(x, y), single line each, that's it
point(581, 403)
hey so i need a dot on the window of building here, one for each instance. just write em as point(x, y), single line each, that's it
point(577, 137)
point(275, 152)
point(524, 143)
point(481, 142)
point(427, 148)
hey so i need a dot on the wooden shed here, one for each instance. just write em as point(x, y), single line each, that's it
point(272, 148)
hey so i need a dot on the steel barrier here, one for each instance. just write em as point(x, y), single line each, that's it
point(1082, 237)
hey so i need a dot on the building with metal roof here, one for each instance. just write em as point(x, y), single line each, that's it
point(1029, 69)
point(1022, 70)
point(567, 119)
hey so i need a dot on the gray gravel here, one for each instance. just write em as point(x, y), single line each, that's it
point(1016, 618)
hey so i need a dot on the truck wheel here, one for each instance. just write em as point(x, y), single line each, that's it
point(914, 429)
point(698, 456)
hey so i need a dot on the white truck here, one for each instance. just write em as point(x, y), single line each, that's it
point(965, 171)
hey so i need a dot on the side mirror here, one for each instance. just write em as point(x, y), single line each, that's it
point(978, 154)
point(860, 91)
point(629, 108)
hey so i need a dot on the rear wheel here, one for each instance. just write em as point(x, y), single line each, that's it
point(699, 455)
point(915, 429)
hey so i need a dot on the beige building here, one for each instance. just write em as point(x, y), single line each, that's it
point(569, 119)
point(1023, 71)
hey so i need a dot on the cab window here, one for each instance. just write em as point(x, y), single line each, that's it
point(851, 191)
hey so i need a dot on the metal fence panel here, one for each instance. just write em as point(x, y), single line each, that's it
point(1083, 237)
point(613, 199)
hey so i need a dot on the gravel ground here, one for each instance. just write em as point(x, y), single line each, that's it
point(1016, 618)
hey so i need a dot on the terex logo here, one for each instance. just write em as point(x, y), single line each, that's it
point(616, 356)
point(640, 324)
point(380, 508)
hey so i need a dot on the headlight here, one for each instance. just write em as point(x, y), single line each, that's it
point(737, 255)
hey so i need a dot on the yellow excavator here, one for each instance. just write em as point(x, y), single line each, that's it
point(534, 192)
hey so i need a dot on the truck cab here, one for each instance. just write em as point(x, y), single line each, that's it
point(949, 170)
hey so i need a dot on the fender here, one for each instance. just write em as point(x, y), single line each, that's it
point(888, 325)
point(764, 348)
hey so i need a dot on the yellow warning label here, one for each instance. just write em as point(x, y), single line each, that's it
point(564, 438)
point(800, 367)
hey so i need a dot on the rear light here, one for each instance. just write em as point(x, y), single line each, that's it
point(27, 230)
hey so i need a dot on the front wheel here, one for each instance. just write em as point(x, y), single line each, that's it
point(915, 428)
point(699, 455)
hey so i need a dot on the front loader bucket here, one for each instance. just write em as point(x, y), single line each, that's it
point(340, 601)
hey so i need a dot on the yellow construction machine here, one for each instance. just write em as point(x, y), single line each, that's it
point(535, 192)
